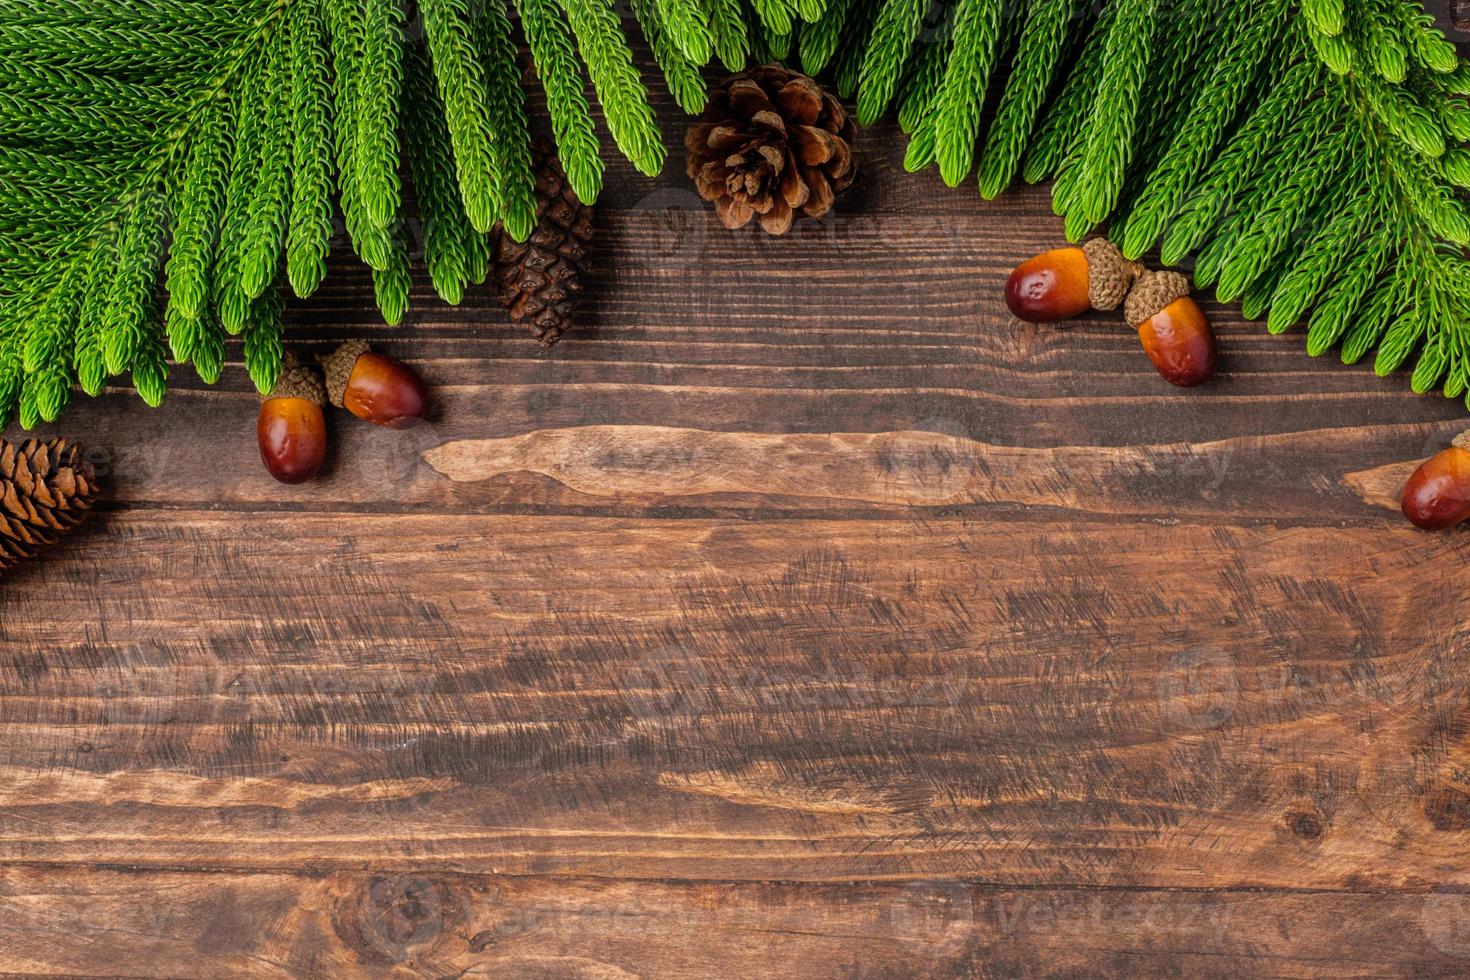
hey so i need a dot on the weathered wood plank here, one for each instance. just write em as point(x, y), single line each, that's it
point(1026, 702)
point(98, 921)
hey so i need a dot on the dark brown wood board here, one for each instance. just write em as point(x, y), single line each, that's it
point(803, 615)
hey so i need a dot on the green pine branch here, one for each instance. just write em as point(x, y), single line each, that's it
point(173, 165)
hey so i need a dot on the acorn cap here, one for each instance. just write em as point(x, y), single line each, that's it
point(1109, 274)
point(1462, 441)
point(338, 366)
point(297, 381)
point(1152, 293)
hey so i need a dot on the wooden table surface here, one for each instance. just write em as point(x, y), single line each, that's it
point(804, 615)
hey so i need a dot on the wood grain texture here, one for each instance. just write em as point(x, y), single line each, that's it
point(804, 615)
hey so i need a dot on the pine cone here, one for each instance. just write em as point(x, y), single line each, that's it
point(771, 141)
point(540, 279)
point(46, 488)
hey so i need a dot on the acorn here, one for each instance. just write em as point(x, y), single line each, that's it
point(1437, 496)
point(1067, 282)
point(291, 430)
point(380, 389)
point(1172, 327)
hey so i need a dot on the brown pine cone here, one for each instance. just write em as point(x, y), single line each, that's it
point(771, 142)
point(540, 279)
point(46, 488)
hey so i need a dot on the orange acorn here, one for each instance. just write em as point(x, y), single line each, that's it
point(290, 428)
point(380, 389)
point(1067, 282)
point(1175, 334)
point(1437, 496)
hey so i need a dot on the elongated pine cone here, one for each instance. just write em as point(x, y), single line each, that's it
point(540, 279)
point(46, 488)
point(771, 142)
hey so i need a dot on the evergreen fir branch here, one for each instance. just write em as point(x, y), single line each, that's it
point(1398, 343)
point(464, 95)
point(209, 349)
point(345, 42)
point(1291, 198)
point(30, 121)
point(777, 47)
point(1063, 122)
point(149, 368)
point(1382, 40)
point(852, 45)
point(262, 344)
point(514, 186)
point(919, 88)
point(1324, 16)
point(87, 359)
point(687, 26)
point(957, 105)
point(571, 119)
point(392, 283)
point(1214, 109)
point(196, 216)
point(446, 228)
point(727, 25)
point(1454, 116)
point(1385, 306)
point(1341, 302)
point(229, 295)
point(262, 233)
point(379, 72)
point(810, 11)
point(619, 88)
point(1111, 136)
point(1316, 265)
point(887, 51)
point(44, 357)
point(130, 51)
point(1042, 44)
point(818, 42)
point(1427, 43)
point(309, 224)
point(124, 320)
point(1237, 162)
point(83, 176)
point(774, 15)
point(681, 75)
point(1333, 50)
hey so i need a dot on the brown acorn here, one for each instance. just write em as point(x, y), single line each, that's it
point(291, 430)
point(1067, 282)
point(1437, 496)
point(1172, 327)
point(380, 389)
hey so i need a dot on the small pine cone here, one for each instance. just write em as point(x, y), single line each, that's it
point(771, 142)
point(46, 488)
point(540, 279)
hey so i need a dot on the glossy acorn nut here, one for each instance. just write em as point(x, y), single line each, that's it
point(1437, 496)
point(1175, 334)
point(291, 430)
point(380, 389)
point(1067, 282)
